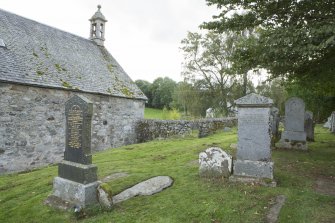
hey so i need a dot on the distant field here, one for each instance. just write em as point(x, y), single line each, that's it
point(153, 113)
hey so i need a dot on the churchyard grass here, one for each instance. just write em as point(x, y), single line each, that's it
point(190, 198)
point(153, 113)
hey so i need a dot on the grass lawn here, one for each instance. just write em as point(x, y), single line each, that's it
point(153, 113)
point(190, 199)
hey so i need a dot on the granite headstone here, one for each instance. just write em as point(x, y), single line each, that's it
point(77, 176)
point(274, 121)
point(254, 139)
point(332, 122)
point(294, 135)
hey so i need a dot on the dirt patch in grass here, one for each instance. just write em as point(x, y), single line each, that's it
point(325, 185)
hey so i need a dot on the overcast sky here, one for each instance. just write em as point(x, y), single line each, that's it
point(143, 35)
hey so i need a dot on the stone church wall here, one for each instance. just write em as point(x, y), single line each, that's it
point(32, 124)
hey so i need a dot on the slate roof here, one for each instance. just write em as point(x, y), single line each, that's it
point(40, 55)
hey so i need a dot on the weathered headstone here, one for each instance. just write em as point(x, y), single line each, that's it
point(214, 162)
point(309, 126)
point(274, 121)
point(327, 124)
point(77, 176)
point(332, 122)
point(254, 139)
point(210, 113)
point(294, 135)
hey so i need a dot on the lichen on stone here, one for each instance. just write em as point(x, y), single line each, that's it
point(66, 84)
point(59, 68)
point(125, 90)
point(110, 67)
point(44, 49)
point(39, 73)
point(35, 54)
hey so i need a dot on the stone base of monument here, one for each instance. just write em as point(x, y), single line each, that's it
point(75, 193)
point(254, 181)
point(76, 184)
point(293, 140)
point(77, 172)
point(258, 172)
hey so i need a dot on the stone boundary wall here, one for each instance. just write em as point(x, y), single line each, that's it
point(149, 129)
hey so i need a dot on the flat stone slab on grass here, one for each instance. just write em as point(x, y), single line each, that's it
point(148, 187)
point(272, 216)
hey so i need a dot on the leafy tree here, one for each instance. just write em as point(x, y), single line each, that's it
point(193, 98)
point(321, 105)
point(145, 87)
point(162, 90)
point(275, 90)
point(293, 38)
point(207, 58)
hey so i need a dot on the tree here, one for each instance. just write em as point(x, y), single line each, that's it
point(192, 98)
point(162, 90)
point(294, 39)
point(145, 87)
point(275, 90)
point(207, 58)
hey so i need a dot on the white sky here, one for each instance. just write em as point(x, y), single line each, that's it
point(143, 35)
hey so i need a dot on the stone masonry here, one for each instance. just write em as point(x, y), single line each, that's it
point(32, 131)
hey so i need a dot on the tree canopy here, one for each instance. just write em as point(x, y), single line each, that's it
point(207, 58)
point(292, 38)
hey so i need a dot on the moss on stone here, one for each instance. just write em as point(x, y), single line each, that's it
point(110, 67)
point(59, 68)
point(66, 84)
point(35, 54)
point(39, 73)
point(125, 90)
point(108, 189)
point(44, 49)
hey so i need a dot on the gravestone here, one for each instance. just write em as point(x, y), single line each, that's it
point(274, 121)
point(210, 113)
point(309, 126)
point(253, 158)
point(327, 124)
point(294, 135)
point(77, 176)
point(214, 163)
point(332, 122)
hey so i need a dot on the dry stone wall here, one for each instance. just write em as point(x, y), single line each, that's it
point(32, 124)
point(150, 129)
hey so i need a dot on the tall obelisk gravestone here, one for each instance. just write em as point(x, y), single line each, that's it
point(253, 158)
point(77, 176)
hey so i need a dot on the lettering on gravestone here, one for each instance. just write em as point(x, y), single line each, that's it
point(78, 112)
point(75, 125)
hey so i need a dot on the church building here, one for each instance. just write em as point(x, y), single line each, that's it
point(41, 67)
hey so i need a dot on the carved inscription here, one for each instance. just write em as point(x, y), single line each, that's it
point(252, 119)
point(75, 125)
